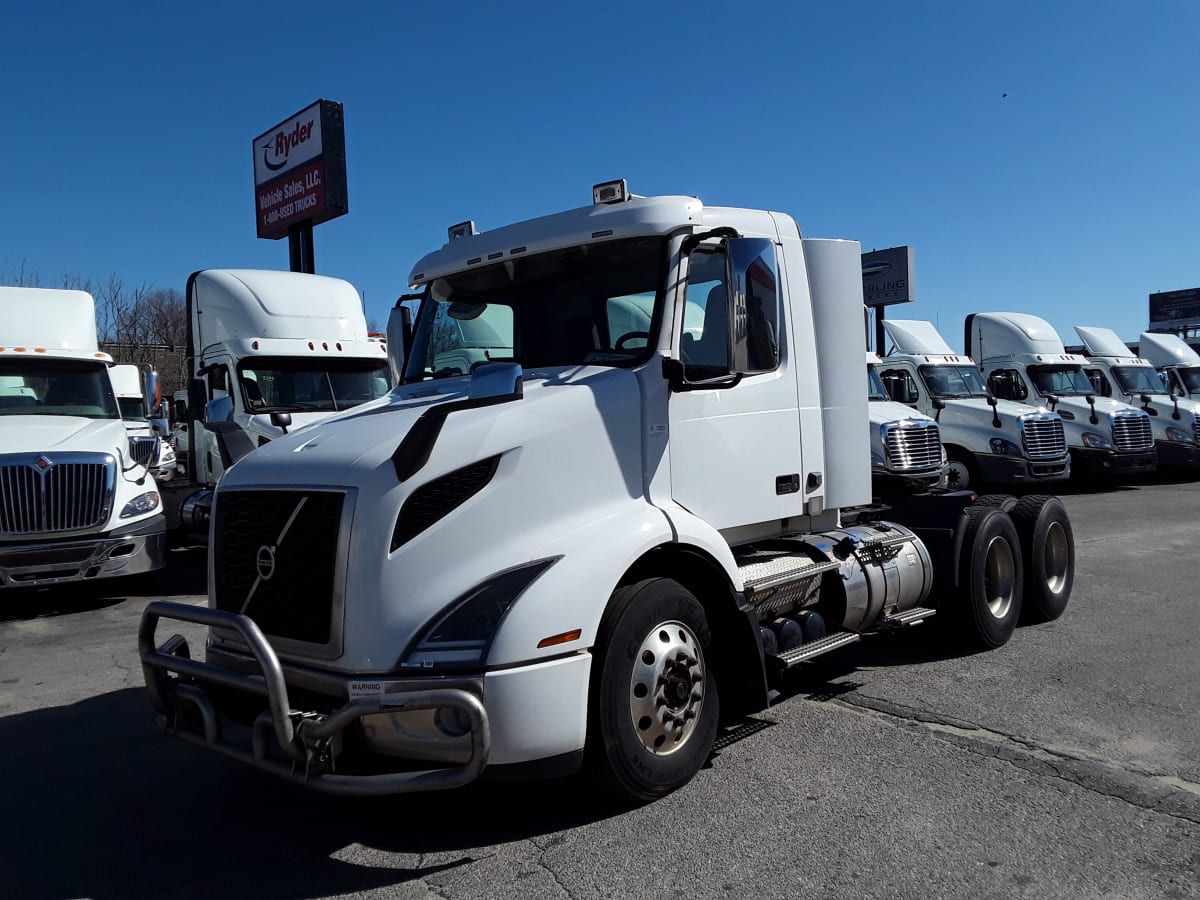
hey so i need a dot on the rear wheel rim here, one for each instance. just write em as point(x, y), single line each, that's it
point(666, 688)
point(1057, 558)
point(999, 577)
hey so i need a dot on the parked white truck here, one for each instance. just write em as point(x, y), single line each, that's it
point(988, 441)
point(587, 548)
point(1115, 371)
point(1024, 360)
point(74, 504)
point(145, 445)
point(268, 351)
point(1177, 362)
point(906, 446)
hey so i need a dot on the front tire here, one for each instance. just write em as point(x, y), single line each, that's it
point(990, 578)
point(962, 472)
point(1048, 544)
point(653, 705)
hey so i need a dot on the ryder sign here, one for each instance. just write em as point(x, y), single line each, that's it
point(300, 170)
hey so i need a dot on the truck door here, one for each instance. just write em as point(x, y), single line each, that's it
point(734, 424)
point(204, 443)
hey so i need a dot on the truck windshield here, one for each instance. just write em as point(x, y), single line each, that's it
point(1062, 381)
point(875, 388)
point(1138, 380)
point(284, 384)
point(56, 387)
point(132, 409)
point(949, 382)
point(582, 306)
point(1190, 376)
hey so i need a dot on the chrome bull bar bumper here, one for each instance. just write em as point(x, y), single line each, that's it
point(176, 685)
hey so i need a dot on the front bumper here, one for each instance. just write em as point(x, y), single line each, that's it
point(1177, 454)
point(300, 745)
point(995, 468)
point(131, 550)
point(1109, 462)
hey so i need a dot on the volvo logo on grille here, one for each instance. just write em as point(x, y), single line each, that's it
point(265, 563)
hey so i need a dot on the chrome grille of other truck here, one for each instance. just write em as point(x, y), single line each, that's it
point(143, 450)
point(275, 559)
point(912, 445)
point(55, 492)
point(1131, 431)
point(1196, 427)
point(1042, 436)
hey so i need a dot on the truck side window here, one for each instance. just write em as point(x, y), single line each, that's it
point(900, 385)
point(1007, 384)
point(705, 339)
point(1099, 383)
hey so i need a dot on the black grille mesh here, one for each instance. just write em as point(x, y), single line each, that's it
point(296, 601)
point(432, 501)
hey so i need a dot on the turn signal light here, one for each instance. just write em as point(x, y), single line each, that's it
point(565, 638)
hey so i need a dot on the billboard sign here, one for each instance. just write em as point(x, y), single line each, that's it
point(887, 276)
point(1171, 310)
point(300, 170)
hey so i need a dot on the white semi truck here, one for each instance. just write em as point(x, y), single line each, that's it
point(1023, 359)
point(906, 446)
point(74, 504)
point(268, 351)
point(988, 441)
point(590, 546)
point(145, 445)
point(1115, 371)
point(1177, 362)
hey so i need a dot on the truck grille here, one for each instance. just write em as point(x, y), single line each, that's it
point(57, 492)
point(1042, 436)
point(144, 450)
point(1131, 431)
point(1196, 427)
point(275, 559)
point(912, 445)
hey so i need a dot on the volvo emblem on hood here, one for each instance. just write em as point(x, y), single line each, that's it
point(265, 562)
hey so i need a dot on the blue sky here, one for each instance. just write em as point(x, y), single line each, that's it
point(125, 143)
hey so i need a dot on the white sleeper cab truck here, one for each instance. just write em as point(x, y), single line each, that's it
point(1115, 371)
point(147, 447)
point(74, 503)
point(269, 352)
point(906, 447)
point(988, 441)
point(1178, 363)
point(593, 544)
point(1024, 360)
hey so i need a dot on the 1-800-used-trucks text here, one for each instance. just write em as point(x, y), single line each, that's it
point(581, 545)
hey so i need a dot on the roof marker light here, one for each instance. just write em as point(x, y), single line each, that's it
point(610, 192)
point(39, 349)
point(338, 345)
point(19, 349)
point(254, 345)
point(462, 229)
point(310, 346)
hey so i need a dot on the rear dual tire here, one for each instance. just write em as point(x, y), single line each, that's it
point(990, 579)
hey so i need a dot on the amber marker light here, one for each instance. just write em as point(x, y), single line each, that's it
point(565, 638)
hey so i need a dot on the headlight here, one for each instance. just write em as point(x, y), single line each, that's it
point(460, 638)
point(1004, 447)
point(142, 503)
point(1096, 441)
point(1178, 434)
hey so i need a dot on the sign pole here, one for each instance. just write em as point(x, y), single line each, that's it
point(301, 252)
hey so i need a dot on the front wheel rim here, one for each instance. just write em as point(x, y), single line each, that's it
point(666, 688)
point(957, 474)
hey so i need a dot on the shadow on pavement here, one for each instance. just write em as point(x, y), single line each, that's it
point(102, 805)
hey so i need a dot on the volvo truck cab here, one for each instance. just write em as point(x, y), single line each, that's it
point(1024, 360)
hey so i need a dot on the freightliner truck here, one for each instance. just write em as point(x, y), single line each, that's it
point(145, 445)
point(906, 446)
point(74, 504)
point(1178, 363)
point(1115, 371)
point(268, 351)
point(1023, 359)
point(988, 441)
point(591, 545)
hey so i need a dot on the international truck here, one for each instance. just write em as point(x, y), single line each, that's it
point(147, 443)
point(1177, 362)
point(268, 352)
point(74, 503)
point(1115, 371)
point(906, 446)
point(1024, 360)
point(588, 548)
point(987, 440)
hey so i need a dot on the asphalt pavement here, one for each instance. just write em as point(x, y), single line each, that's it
point(1065, 764)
